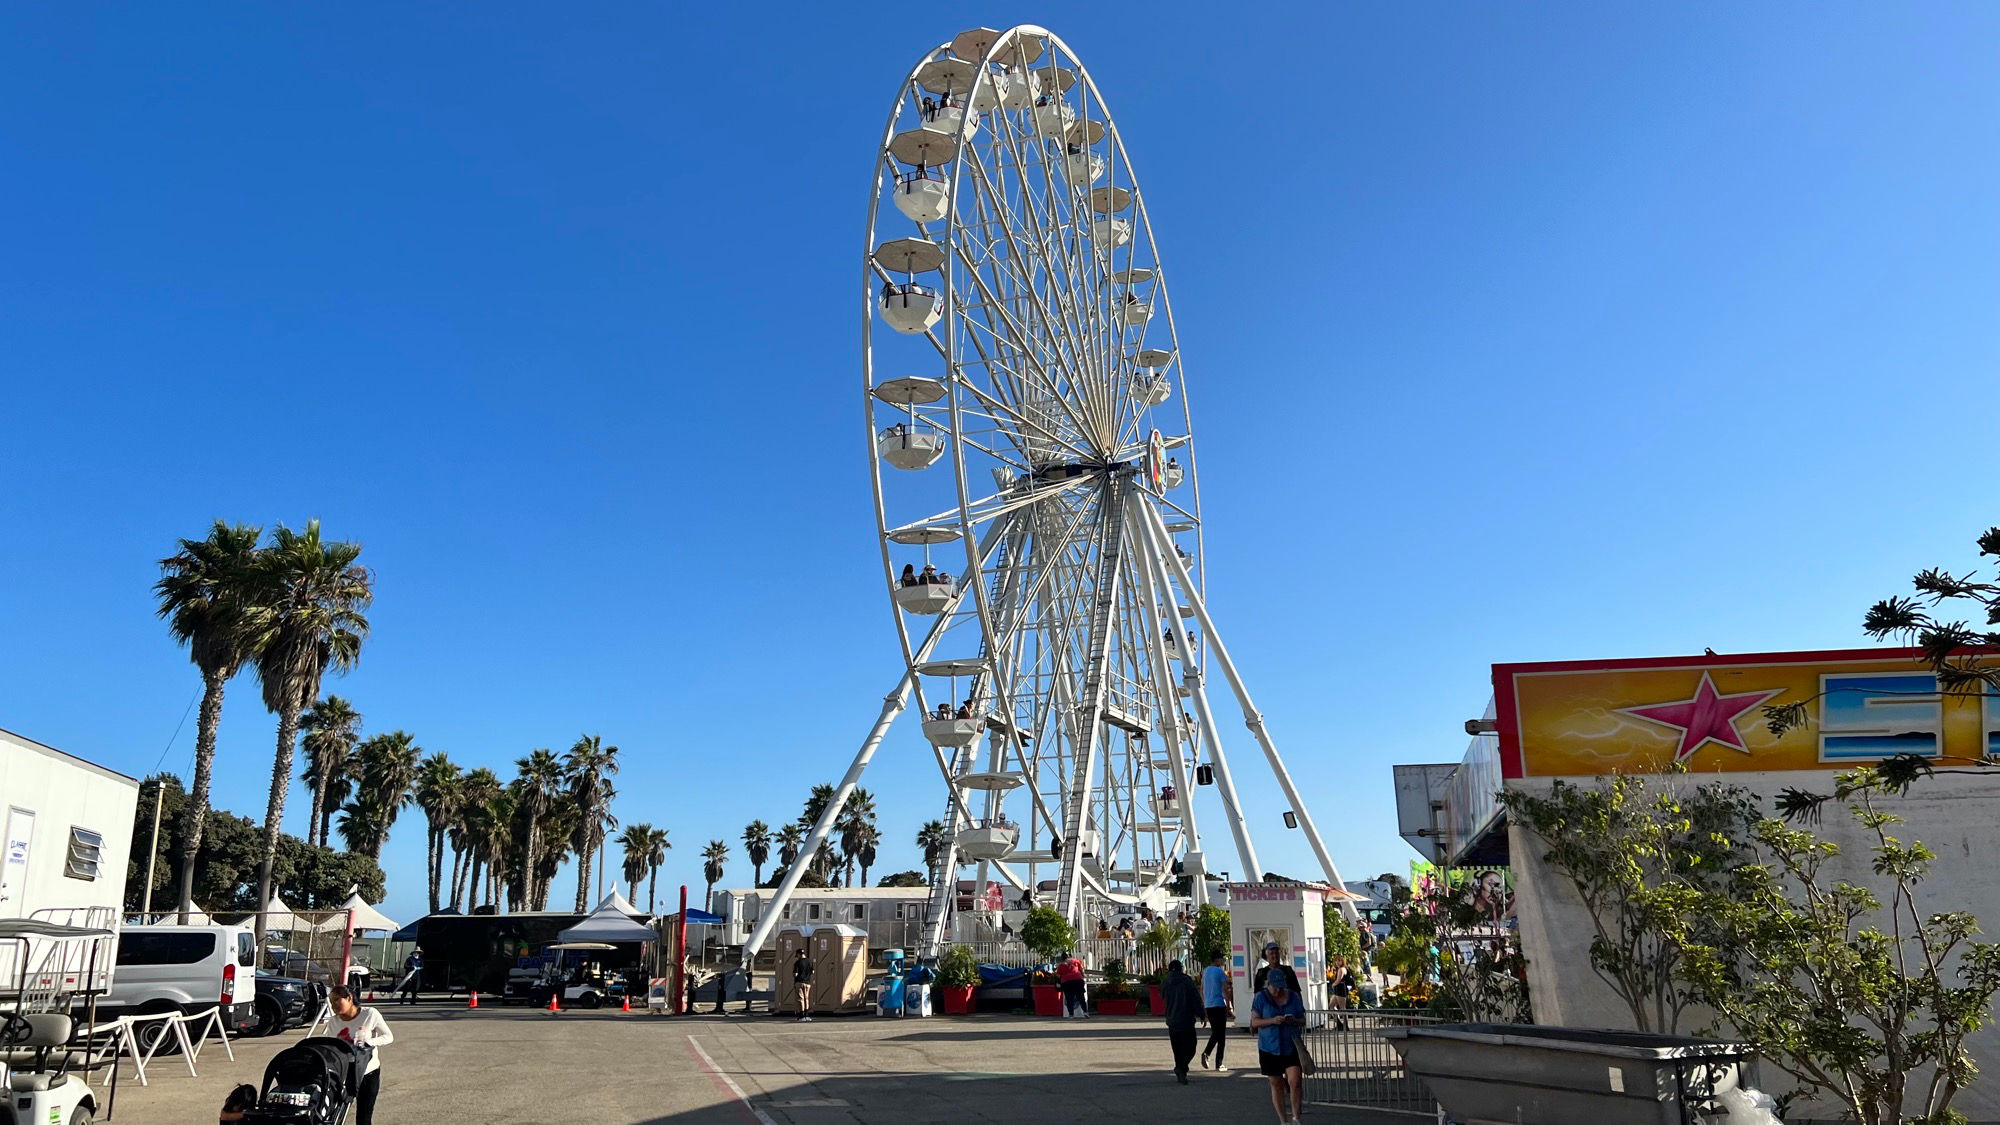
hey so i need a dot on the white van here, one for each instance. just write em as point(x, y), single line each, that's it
point(188, 969)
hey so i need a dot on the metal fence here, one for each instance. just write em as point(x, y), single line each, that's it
point(1357, 1068)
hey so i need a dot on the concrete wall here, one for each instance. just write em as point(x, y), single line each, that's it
point(1957, 816)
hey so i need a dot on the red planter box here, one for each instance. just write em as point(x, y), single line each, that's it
point(1048, 999)
point(1156, 1001)
point(1118, 1006)
point(958, 1001)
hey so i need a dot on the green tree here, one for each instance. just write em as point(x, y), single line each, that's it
point(935, 840)
point(1855, 996)
point(1047, 933)
point(1342, 939)
point(331, 732)
point(757, 846)
point(202, 593)
point(439, 790)
point(903, 879)
point(712, 858)
point(541, 776)
point(636, 844)
point(589, 766)
point(854, 825)
point(789, 839)
point(657, 846)
point(388, 765)
point(472, 832)
point(305, 618)
point(1211, 933)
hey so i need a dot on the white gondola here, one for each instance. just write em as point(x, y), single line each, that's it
point(993, 840)
point(925, 599)
point(1172, 475)
point(954, 733)
point(996, 781)
point(1135, 312)
point(1107, 234)
point(1053, 115)
point(1167, 808)
point(922, 195)
point(946, 116)
point(1017, 89)
point(1082, 167)
point(908, 447)
point(911, 308)
point(989, 92)
point(1154, 389)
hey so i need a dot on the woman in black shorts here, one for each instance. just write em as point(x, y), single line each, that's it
point(1279, 1015)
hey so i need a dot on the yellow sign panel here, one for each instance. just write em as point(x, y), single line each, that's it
point(1633, 716)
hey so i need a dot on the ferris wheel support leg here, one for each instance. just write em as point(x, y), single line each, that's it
point(892, 705)
point(1239, 828)
point(1252, 718)
point(1159, 599)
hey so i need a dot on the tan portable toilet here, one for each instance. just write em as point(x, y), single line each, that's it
point(839, 956)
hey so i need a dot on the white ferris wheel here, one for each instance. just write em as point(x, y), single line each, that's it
point(1032, 456)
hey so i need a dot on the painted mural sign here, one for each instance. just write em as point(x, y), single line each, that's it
point(1707, 713)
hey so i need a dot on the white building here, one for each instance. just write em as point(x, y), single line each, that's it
point(68, 831)
point(893, 916)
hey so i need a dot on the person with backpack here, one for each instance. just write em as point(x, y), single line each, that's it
point(802, 977)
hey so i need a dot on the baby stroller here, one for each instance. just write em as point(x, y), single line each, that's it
point(311, 1082)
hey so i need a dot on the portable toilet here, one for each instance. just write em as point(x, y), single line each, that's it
point(839, 955)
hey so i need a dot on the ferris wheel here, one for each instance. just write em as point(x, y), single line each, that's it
point(1031, 451)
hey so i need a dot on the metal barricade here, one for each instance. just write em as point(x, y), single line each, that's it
point(1356, 1069)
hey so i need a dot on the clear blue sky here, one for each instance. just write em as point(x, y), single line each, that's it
point(1514, 333)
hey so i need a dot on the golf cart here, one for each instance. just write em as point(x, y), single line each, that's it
point(570, 972)
point(48, 969)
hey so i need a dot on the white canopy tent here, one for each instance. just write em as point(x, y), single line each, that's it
point(364, 917)
point(613, 921)
point(278, 916)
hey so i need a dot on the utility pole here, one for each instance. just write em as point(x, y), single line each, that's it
point(153, 853)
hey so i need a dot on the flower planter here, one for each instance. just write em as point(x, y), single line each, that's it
point(1048, 999)
point(1118, 1006)
point(1156, 1001)
point(958, 1000)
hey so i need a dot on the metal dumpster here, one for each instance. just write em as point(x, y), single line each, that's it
point(1517, 1074)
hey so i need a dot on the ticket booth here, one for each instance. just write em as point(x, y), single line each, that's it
point(1294, 916)
point(839, 957)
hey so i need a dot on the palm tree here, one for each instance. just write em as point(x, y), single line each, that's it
point(305, 614)
point(388, 767)
point(824, 862)
point(870, 836)
point(475, 810)
point(757, 845)
point(935, 839)
point(590, 764)
point(439, 789)
point(790, 838)
point(657, 847)
point(712, 858)
point(201, 591)
point(494, 839)
point(816, 803)
point(541, 777)
point(856, 819)
point(361, 826)
point(637, 843)
point(332, 728)
point(558, 830)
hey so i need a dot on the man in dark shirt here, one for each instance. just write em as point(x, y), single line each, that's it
point(802, 976)
point(1183, 1004)
point(1274, 958)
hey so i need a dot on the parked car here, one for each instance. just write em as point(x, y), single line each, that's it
point(284, 1002)
point(187, 969)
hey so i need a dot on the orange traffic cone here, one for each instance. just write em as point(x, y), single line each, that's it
point(628, 1005)
point(474, 1002)
point(553, 1006)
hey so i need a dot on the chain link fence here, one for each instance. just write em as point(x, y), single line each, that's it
point(1358, 1069)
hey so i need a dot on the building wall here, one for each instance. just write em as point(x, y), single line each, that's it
point(63, 792)
point(1955, 815)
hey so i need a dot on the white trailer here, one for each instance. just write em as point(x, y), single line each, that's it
point(65, 833)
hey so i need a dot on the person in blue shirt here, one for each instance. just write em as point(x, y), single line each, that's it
point(1215, 989)
point(1279, 1017)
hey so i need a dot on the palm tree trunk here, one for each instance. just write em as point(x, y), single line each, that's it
point(583, 876)
point(652, 890)
point(274, 814)
point(194, 820)
point(325, 825)
point(319, 800)
point(433, 864)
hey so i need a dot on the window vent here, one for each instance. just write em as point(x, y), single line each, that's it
point(86, 854)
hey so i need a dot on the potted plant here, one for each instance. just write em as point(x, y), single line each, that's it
point(1158, 942)
point(1155, 1002)
point(1048, 935)
point(1114, 996)
point(958, 979)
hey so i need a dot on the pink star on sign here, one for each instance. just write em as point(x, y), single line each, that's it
point(1709, 717)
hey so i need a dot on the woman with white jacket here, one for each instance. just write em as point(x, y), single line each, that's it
point(363, 1027)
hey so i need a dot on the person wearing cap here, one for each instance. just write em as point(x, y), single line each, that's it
point(1278, 1015)
point(1274, 958)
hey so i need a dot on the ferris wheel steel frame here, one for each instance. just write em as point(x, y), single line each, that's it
point(1076, 554)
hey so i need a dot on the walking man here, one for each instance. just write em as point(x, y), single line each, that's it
point(1278, 1015)
point(1070, 974)
point(802, 976)
point(1215, 990)
point(1183, 1004)
point(413, 971)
